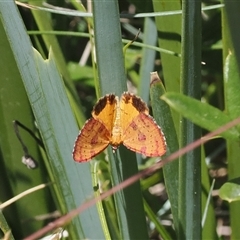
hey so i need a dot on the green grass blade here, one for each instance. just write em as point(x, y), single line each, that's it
point(232, 13)
point(161, 229)
point(14, 105)
point(109, 51)
point(148, 58)
point(163, 116)
point(232, 86)
point(55, 121)
point(112, 79)
point(231, 90)
point(190, 164)
point(44, 23)
point(58, 131)
point(169, 38)
point(200, 113)
point(208, 215)
point(5, 228)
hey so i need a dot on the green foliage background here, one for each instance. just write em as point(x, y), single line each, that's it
point(78, 57)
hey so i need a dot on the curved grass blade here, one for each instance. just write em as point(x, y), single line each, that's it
point(202, 114)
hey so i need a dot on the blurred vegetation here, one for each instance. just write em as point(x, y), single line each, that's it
point(37, 97)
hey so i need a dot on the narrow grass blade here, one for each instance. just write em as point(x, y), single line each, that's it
point(232, 86)
point(231, 91)
point(169, 38)
point(189, 210)
point(148, 58)
point(112, 79)
point(163, 116)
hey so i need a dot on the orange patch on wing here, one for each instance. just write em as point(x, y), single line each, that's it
point(114, 122)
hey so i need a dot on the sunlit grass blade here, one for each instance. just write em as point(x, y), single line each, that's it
point(163, 116)
point(56, 123)
point(202, 114)
point(148, 58)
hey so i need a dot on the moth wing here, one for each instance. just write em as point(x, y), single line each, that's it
point(144, 136)
point(92, 139)
point(131, 106)
point(105, 111)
